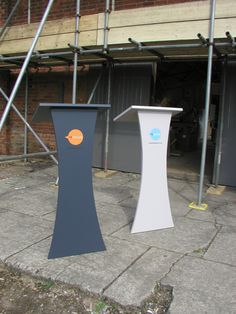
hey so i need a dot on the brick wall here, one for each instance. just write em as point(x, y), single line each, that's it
point(47, 86)
point(66, 8)
point(54, 86)
point(3, 11)
point(4, 134)
point(60, 9)
point(131, 4)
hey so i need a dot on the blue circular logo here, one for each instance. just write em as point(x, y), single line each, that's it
point(155, 134)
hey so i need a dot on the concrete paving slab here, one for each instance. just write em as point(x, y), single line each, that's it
point(223, 248)
point(131, 199)
point(132, 263)
point(111, 217)
point(29, 201)
point(49, 171)
point(181, 173)
point(3, 210)
point(176, 185)
point(229, 194)
point(221, 209)
point(189, 191)
point(26, 181)
point(178, 204)
point(18, 231)
point(135, 183)
point(34, 260)
point(95, 272)
point(141, 277)
point(201, 286)
point(120, 178)
point(215, 201)
point(112, 194)
point(204, 215)
point(4, 187)
point(50, 216)
point(116, 209)
point(187, 236)
point(226, 215)
point(49, 187)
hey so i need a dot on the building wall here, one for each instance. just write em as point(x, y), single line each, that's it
point(47, 86)
point(4, 134)
point(67, 8)
point(130, 85)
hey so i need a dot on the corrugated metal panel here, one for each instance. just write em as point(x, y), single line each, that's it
point(130, 85)
point(228, 156)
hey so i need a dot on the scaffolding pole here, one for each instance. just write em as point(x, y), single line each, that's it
point(106, 27)
point(75, 72)
point(25, 156)
point(25, 64)
point(151, 47)
point(154, 83)
point(95, 87)
point(107, 120)
point(26, 113)
point(28, 126)
point(113, 50)
point(9, 18)
point(207, 104)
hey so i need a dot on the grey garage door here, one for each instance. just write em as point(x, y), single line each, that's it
point(228, 156)
point(130, 85)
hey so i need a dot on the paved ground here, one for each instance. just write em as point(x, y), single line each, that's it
point(197, 257)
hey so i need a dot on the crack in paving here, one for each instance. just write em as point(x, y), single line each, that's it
point(172, 266)
point(26, 214)
point(130, 265)
point(52, 211)
point(190, 210)
point(216, 262)
point(218, 228)
point(143, 243)
point(197, 219)
point(125, 199)
point(25, 248)
point(127, 224)
point(62, 271)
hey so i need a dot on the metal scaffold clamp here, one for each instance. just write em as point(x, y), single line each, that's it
point(74, 48)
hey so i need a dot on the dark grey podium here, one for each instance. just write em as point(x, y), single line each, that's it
point(76, 228)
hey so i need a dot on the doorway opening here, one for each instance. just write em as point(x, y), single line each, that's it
point(183, 84)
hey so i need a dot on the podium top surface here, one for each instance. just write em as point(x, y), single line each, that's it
point(43, 112)
point(130, 114)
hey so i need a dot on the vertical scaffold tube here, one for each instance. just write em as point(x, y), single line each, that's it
point(107, 121)
point(77, 21)
point(207, 102)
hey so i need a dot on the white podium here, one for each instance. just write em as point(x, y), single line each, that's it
point(153, 210)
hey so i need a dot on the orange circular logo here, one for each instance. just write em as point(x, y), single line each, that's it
point(75, 137)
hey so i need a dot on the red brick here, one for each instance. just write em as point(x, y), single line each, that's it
point(44, 86)
point(67, 8)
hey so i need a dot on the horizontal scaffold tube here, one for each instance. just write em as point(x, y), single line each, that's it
point(31, 155)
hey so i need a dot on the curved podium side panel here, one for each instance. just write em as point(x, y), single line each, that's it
point(76, 228)
point(153, 210)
